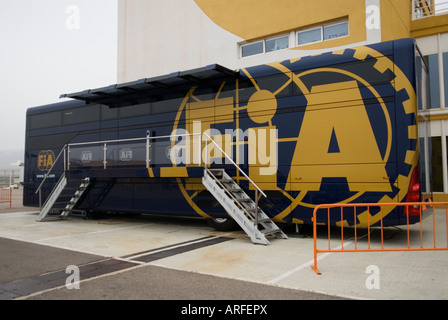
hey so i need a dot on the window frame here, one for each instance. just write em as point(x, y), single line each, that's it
point(252, 43)
point(332, 25)
point(296, 35)
point(287, 36)
point(434, 86)
point(294, 43)
point(322, 32)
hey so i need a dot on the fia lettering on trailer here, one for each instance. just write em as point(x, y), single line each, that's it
point(126, 154)
point(86, 156)
point(45, 160)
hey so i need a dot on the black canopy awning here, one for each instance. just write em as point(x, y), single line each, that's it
point(154, 89)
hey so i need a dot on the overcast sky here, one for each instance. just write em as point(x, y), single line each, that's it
point(50, 47)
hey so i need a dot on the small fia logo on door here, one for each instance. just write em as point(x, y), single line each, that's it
point(45, 160)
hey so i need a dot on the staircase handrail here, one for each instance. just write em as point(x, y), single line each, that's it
point(150, 138)
point(233, 162)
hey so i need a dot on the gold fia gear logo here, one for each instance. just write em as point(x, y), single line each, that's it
point(45, 160)
point(311, 154)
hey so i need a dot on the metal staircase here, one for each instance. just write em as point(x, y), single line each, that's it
point(240, 206)
point(58, 199)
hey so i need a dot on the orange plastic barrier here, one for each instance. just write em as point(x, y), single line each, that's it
point(6, 196)
point(423, 208)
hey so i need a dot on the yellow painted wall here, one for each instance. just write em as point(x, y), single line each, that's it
point(429, 26)
point(252, 19)
point(439, 197)
point(395, 19)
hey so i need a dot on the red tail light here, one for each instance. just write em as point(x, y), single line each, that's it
point(414, 193)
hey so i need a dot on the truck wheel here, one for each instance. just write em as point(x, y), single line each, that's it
point(223, 224)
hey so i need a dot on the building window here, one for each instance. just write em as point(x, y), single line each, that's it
point(309, 36)
point(422, 163)
point(251, 49)
point(263, 46)
point(434, 86)
point(437, 166)
point(445, 76)
point(277, 44)
point(299, 38)
point(323, 33)
point(336, 31)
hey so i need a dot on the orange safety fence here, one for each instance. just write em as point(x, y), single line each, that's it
point(6, 196)
point(416, 242)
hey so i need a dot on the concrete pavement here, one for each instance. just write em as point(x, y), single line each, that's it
point(148, 257)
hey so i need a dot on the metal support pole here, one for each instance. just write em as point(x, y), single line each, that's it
point(256, 208)
point(68, 158)
point(206, 152)
point(199, 149)
point(105, 155)
point(65, 158)
point(148, 146)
